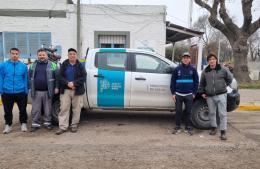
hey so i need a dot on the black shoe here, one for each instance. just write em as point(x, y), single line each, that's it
point(34, 129)
point(60, 131)
point(176, 130)
point(189, 130)
point(213, 131)
point(74, 129)
point(49, 127)
point(223, 135)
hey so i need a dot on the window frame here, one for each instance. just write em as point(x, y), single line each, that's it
point(127, 68)
point(41, 38)
point(133, 61)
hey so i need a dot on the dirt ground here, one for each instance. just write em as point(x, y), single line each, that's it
point(128, 140)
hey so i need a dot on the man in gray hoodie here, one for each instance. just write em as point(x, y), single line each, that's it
point(213, 86)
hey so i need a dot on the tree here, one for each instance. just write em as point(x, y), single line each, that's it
point(237, 36)
point(254, 46)
point(213, 39)
point(203, 25)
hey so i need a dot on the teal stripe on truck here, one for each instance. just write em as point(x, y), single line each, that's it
point(115, 50)
point(111, 88)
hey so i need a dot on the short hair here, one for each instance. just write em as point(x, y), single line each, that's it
point(41, 50)
point(16, 49)
point(72, 50)
point(210, 55)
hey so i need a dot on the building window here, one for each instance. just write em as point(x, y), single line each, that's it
point(111, 39)
point(27, 42)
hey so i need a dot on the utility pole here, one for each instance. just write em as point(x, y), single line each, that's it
point(190, 13)
point(78, 29)
point(190, 18)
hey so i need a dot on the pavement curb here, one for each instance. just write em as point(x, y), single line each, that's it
point(249, 107)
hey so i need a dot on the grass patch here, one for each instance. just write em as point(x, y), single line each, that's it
point(250, 85)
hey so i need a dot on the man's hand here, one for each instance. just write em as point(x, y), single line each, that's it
point(71, 85)
point(56, 90)
point(204, 96)
point(174, 98)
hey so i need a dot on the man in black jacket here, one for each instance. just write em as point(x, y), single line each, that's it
point(72, 79)
point(213, 86)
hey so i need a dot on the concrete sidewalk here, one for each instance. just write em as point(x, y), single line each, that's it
point(249, 99)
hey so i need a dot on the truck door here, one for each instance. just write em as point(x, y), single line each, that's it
point(113, 78)
point(150, 84)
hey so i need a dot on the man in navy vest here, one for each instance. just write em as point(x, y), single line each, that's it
point(184, 86)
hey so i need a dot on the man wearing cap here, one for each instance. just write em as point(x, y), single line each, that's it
point(213, 86)
point(184, 85)
point(72, 80)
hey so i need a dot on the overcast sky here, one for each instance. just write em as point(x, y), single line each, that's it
point(177, 10)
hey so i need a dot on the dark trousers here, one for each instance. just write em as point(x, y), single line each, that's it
point(8, 103)
point(187, 100)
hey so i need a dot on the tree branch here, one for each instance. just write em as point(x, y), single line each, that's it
point(225, 17)
point(213, 20)
point(246, 8)
point(203, 4)
point(254, 26)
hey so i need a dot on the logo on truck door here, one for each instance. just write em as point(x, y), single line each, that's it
point(111, 65)
point(111, 88)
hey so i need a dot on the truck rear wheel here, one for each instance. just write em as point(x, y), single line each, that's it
point(55, 111)
point(200, 114)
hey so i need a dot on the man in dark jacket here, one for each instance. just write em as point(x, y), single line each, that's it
point(184, 85)
point(213, 86)
point(72, 80)
point(43, 75)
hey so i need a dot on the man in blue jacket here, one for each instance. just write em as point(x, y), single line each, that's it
point(14, 88)
point(184, 85)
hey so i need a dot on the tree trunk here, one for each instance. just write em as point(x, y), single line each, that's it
point(240, 51)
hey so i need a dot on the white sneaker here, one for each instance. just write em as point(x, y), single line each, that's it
point(23, 127)
point(7, 129)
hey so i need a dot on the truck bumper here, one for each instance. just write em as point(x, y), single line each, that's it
point(233, 100)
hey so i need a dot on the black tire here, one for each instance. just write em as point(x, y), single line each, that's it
point(200, 114)
point(55, 112)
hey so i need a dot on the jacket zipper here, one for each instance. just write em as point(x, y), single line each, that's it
point(214, 83)
point(13, 77)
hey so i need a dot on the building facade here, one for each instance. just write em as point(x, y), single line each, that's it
point(30, 24)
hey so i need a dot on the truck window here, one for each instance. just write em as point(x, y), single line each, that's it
point(150, 64)
point(111, 61)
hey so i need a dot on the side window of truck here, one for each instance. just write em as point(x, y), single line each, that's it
point(149, 64)
point(111, 61)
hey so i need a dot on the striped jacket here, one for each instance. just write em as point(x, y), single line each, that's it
point(184, 79)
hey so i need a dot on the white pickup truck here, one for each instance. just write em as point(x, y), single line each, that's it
point(133, 79)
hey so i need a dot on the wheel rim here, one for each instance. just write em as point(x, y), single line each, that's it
point(203, 114)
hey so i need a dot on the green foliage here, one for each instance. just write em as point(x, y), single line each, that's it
point(251, 85)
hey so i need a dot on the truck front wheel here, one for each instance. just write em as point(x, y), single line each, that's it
point(200, 114)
